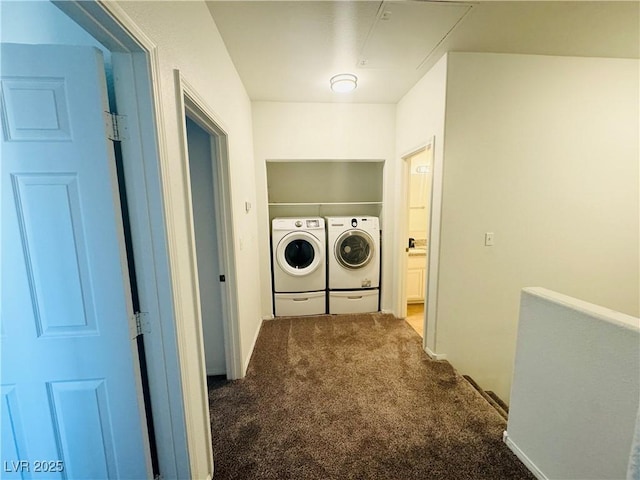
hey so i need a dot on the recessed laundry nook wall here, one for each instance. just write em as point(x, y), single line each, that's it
point(335, 194)
point(331, 189)
point(323, 159)
point(324, 188)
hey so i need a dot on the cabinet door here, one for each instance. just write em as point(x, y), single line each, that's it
point(415, 285)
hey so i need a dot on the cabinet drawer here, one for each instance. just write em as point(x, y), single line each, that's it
point(353, 301)
point(294, 304)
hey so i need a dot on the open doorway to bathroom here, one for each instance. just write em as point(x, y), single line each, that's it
point(419, 182)
point(205, 148)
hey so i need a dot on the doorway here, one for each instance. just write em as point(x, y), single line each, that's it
point(206, 156)
point(432, 217)
point(419, 180)
point(201, 149)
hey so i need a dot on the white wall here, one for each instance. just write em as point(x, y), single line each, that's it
point(40, 22)
point(576, 387)
point(204, 223)
point(542, 151)
point(633, 470)
point(420, 116)
point(322, 131)
point(187, 39)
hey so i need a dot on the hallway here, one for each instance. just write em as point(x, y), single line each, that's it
point(353, 396)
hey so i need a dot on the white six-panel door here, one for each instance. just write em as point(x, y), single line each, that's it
point(69, 384)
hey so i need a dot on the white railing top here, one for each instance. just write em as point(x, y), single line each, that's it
point(605, 314)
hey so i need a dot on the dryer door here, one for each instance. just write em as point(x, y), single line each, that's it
point(354, 249)
point(299, 253)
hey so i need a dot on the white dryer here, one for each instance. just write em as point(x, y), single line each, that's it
point(354, 264)
point(299, 266)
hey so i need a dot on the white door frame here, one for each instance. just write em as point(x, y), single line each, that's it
point(404, 227)
point(191, 104)
point(145, 159)
point(433, 246)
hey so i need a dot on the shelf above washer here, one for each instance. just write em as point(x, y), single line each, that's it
point(306, 204)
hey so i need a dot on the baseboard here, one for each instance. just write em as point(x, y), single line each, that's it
point(268, 317)
point(435, 356)
point(247, 359)
point(523, 457)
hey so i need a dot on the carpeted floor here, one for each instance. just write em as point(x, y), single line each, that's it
point(353, 397)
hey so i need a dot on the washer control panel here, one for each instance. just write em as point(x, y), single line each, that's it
point(291, 224)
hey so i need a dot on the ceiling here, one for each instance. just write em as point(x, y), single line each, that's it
point(286, 51)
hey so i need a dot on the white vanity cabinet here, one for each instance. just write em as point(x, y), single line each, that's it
point(416, 267)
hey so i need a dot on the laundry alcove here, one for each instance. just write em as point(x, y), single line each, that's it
point(331, 189)
point(324, 187)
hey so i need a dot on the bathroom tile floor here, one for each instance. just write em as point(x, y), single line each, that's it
point(415, 314)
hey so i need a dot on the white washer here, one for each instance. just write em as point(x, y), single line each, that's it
point(299, 266)
point(354, 264)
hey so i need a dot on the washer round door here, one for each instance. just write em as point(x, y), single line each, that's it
point(354, 249)
point(299, 253)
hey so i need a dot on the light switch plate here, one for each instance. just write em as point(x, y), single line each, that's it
point(488, 239)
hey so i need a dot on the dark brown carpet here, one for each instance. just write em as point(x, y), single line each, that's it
point(353, 397)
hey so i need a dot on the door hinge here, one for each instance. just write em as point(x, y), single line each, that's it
point(223, 278)
point(141, 324)
point(116, 126)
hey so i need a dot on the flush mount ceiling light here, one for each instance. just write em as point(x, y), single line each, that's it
point(344, 82)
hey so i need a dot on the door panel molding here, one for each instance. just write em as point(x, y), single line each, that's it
point(84, 403)
point(47, 96)
point(44, 204)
